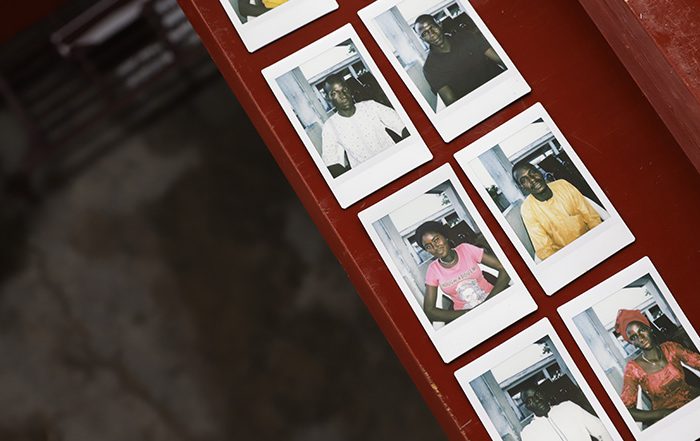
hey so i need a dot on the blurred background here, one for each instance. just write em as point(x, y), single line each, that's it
point(158, 278)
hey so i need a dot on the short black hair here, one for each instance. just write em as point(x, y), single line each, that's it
point(429, 227)
point(332, 79)
point(521, 165)
point(424, 18)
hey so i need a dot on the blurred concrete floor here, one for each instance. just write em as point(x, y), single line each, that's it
point(176, 290)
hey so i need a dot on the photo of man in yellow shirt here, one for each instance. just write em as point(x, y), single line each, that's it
point(255, 8)
point(555, 213)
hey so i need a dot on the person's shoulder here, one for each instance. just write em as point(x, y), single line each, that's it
point(566, 406)
point(527, 203)
point(467, 248)
point(633, 369)
point(369, 105)
point(670, 348)
point(563, 185)
point(328, 125)
point(530, 429)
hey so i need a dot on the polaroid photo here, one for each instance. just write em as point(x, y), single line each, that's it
point(529, 389)
point(347, 116)
point(549, 205)
point(449, 60)
point(447, 263)
point(260, 22)
point(643, 349)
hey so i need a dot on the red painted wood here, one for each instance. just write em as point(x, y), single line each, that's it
point(592, 98)
point(658, 41)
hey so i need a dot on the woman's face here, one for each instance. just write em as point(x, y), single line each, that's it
point(640, 335)
point(436, 244)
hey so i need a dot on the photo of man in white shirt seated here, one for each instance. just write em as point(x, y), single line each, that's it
point(357, 131)
point(565, 421)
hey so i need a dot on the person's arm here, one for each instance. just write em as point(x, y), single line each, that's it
point(592, 423)
point(491, 261)
point(332, 152)
point(540, 238)
point(690, 358)
point(493, 56)
point(648, 416)
point(390, 118)
point(337, 170)
point(630, 388)
point(447, 95)
point(434, 313)
point(590, 216)
point(251, 9)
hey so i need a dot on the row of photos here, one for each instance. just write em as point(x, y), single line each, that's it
point(360, 138)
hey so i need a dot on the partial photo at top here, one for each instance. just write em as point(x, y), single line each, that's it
point(447, 57)
point(260, 22)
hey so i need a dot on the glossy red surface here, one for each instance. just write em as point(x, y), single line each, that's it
point(594, 101)
point(658, 41)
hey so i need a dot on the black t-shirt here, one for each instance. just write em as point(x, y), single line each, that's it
point(464, 68)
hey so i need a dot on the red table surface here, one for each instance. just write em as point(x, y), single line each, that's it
point(593, 100)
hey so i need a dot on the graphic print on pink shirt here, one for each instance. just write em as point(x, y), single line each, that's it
point(464, 283)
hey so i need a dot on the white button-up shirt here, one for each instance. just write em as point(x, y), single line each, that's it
point(565, 422)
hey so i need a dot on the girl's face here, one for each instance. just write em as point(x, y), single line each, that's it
point(640, 335)
point(436, 244)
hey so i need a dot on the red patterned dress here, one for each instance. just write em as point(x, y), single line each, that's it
point(666, 388)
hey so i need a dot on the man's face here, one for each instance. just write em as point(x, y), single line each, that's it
point(531, 180)
point(340, 95)
point(536, 402)
point(430, 32)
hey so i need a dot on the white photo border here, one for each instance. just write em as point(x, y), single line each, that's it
point(278, 22)
point(377, 172)
point(479, 324)
point(519, 342)
point(681, 425)
point(471, 109)
point(582, 254)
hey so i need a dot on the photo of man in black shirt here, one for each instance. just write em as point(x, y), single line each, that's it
point(458, 62)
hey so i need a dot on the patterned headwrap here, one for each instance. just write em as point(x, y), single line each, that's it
point(627, 316)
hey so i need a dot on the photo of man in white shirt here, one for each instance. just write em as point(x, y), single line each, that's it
point(565, 421)
point(357, 131)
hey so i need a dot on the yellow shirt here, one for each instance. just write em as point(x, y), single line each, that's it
point(558, 221)
point(273, 3)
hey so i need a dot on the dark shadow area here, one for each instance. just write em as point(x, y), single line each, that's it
point(171, 287)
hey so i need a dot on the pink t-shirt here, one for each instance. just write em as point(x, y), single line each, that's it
point(464, 283)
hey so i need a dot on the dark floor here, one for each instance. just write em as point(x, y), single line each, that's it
point(176, 290)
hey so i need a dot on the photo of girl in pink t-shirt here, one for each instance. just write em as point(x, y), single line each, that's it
point(457, 273)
